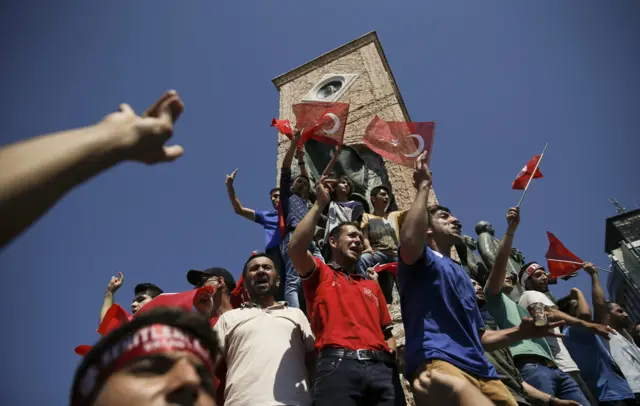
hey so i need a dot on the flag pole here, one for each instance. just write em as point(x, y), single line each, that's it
point(576, 263)
point(533, 174)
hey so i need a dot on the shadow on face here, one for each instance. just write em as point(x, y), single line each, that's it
point(160, 379)
point(618, 316)
point(275, 198)
point(139, 301)
point(261, 277)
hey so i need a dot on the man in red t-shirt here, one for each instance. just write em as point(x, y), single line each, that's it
point(348, 315)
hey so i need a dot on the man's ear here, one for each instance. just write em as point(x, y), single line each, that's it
point(332, 242)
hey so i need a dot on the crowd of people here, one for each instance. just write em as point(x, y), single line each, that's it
point(308, 320)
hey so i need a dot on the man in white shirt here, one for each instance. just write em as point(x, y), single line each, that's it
point(622, 347)
point(267, 345)
point(533, 278)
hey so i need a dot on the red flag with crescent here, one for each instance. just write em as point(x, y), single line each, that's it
point(324, 122)
point(399, 141)
point(117, 316)
point(525, 174)
point(560, 261)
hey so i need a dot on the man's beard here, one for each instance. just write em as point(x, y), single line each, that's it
point(259, 293)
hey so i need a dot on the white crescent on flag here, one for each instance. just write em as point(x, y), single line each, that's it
point(420, 146)
point(336, 124)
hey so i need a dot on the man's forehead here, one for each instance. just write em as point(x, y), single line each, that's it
point(262, 260)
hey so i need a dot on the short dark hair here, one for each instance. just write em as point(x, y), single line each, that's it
point(254, 255)
point(304, 177)
point(192, 323)
point(434, 208)
point(337, 230)
point(377, 189)
point(147, 288)
point(275, 189)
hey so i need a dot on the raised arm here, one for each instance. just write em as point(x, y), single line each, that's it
point(301, 164)
point(249, 214)
point(288, 157)
point(336, 154)
point(303, 235)
point(583, 310)
point(499, 270)
point(112, 288)
point(599, 300)
point(496, 339)
point(36, 173)
point(414, 228)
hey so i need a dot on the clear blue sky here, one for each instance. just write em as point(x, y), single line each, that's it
point(501, 79)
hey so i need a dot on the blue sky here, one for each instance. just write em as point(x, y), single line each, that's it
point(501, 79)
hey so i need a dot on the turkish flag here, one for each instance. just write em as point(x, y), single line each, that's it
point(184, 300)
point(525, 174)
point(117, 316)
point(560, 261)
point(399, 141)
point(391, 267)
point(284, 126)
point(324, 122)
point(239, 295)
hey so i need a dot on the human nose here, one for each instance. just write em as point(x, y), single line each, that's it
point(183, 383)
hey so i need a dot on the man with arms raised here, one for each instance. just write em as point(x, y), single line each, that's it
point(349, 316)
point(444, 328)
point(533, 358)
point(143, 293)
point(533, 278)
point(266, 345)
point(622, 347)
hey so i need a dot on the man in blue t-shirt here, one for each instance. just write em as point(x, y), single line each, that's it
point(268, 219)
point(598, 369)
point(444, 328)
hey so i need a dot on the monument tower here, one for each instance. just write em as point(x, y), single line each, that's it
point(356, 73)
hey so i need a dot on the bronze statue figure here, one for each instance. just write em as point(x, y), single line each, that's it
point(471, 260)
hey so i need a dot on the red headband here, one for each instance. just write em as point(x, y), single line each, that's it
point(153, 339)
point(527, 272)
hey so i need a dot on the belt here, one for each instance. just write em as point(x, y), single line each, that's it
point(360, 355)
point(533, 359)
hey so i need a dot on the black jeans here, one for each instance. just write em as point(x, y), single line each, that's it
point(349, 382)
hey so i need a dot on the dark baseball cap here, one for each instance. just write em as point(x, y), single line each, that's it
point(194, 276)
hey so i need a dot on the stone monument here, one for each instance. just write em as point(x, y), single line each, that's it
point(488, 246)
point(356, 73)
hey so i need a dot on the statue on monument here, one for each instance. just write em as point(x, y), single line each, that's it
point(467, 251)
point(488, 246)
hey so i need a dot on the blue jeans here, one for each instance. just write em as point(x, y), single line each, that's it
point(553, 381)
point(292, 284)
point(385, 279)
point(349, 382)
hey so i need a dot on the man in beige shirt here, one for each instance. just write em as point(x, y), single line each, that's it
point(267, 345)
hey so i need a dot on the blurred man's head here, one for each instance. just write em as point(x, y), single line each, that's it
point(343, 188)
point(568, 305)
point(275, 197)
point(162, 357)
point(143, 293)
point(534, 277)
point(480, 298)
point(380, 198)
point(444, 230)
point(218, 278)
point(509, 283)
point(618, 317)
point(346, 243)
point(260, 276)
point(301, 186)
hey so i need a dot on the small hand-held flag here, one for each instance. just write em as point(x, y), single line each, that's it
point(324, 122)
point(527, 174)
point(284, 126)
point(390, 267)
point(560, 261)
point(398, 141)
